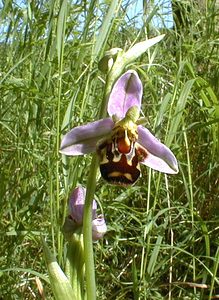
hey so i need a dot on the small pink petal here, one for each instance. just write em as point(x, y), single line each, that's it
point(99, 228)
point(126, 92)
point(160, 156)
point(83, 139)
point(76, 205)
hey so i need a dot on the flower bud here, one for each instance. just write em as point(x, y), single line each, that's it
point(107, 60)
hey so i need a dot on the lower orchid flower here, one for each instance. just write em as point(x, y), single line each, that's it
point(74, 221)
point(120, 141)
point(76, 205)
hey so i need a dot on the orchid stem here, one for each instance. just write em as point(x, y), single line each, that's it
point(87, 231)
point(91, 185)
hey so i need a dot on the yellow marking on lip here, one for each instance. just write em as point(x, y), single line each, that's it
point(128, 176)
point(115, 174)
point(118, 174)
point(117, 158)
point(104, 159)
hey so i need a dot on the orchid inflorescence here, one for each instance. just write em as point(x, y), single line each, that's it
point(119, 140)
point(121, 144)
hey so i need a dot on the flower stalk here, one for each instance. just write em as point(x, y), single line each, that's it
point(87, 231)
point(91, 186)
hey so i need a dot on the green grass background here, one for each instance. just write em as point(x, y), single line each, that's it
point(162, 240)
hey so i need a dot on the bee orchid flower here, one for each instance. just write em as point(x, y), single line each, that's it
point(74, 222)
point(76, 205)
point(122, 144)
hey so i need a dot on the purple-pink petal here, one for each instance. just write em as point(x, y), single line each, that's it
point(99, 228)
point(126, 92)
point(83, 139)
point(160, 157)
point(157, 164)
point(76, 205)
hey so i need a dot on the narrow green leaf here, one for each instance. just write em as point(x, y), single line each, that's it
point(215, 272)
point(14, 67)
point(135, 280)
point(106, 27)
point(59, 282)
point(27, 270)
point(181, 103)
point(163, 108)
point(69, 111)
point(50, 28)
point(61, 29)
point(154, 255)
point(138, 49)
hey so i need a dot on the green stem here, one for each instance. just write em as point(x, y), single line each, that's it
point(91, 185)
point(87, 231)
point(87, 218)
